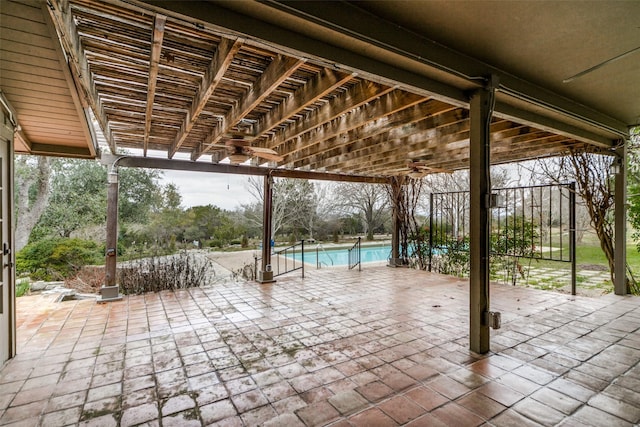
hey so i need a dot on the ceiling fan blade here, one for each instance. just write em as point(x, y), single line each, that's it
point(264, 153)
point(429, 169)
point(420, 165)
point(417, 173)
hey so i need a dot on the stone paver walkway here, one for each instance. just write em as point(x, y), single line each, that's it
point(381, 347)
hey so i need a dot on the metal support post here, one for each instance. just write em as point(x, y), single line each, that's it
point(481, 106)
point(109, 291)
point(431, 210)
point(265, 275)
point(396, 191)
point(572, 234)
point(620, 249)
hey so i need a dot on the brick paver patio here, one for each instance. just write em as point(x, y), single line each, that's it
point(381, 347)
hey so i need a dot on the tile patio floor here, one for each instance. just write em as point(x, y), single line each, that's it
point(381, 347)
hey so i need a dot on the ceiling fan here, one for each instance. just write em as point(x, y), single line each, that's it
point(239, 150)
point(417, 169)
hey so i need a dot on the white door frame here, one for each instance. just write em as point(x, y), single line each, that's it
point(7, 258)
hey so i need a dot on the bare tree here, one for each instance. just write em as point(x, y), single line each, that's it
point(369, 200)
point(594, 186)
point(404, 194)
point(292, 205)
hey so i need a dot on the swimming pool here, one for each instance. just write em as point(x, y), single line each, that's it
point(330, 257)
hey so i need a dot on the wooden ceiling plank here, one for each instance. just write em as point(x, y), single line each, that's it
point(26, 76)
point(502, 152)
point(221, 61)
point(276, 73)
point(442, 139)
point(448, 131)
point(324, 83)
point(154, 65)
point(554, 149)
point(397, 152)
point(396, 125)
point(60, 150)
point(354, 97)
point(383, 106)
point(61, 14)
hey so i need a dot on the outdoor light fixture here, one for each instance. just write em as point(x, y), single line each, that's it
point(495, 200)
point(616, 166)
point(236, 159)
point(112, 177)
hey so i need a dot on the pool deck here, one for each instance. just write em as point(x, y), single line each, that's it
point(380, 347)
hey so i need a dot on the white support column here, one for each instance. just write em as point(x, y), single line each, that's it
point(620, 249)
point(480, 189)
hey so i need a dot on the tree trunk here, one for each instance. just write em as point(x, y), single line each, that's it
point(28, 213)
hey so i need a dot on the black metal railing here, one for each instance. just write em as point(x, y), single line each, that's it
point(354, 255)
point(534, 222)
point(284, 260)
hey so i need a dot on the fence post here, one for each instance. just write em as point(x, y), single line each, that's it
point(302, 257)
point(359, 254)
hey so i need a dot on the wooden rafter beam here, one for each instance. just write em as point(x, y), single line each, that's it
point(225, 52)
point(381, 107)
point(443, 139)
point(324, 83)
point(62, 16)
point(558, 148)
point(357, 95)
point(276, 73)
point(513, 145)
point(154, 65)
point(503, 149)
point(417, 118)
point(438, 130)
point(396, 153)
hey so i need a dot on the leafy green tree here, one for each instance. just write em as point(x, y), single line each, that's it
point(633, 188)
point(209, 223)
point(78, 197)
point(138, 194)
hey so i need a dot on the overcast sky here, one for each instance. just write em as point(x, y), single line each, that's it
point(199, 188)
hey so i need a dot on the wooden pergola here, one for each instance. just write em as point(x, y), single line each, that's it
point(337, 90)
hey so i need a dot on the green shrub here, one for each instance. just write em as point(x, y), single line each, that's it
point(22, 287)
point(57, 259)
point(216, 243)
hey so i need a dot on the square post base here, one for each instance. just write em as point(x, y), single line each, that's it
point(109, 294)
point(397, 262)
point(265, 277)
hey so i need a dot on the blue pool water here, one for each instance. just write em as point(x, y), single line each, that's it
point(329, 257)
